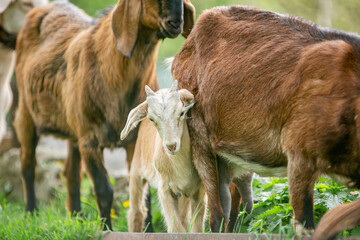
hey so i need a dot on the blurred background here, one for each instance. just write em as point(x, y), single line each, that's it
point(339, 14)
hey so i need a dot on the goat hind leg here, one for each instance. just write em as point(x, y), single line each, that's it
point(224, 192)
point(92, 155)
point(26, 133)
point(137, 209)
point(244, 185)
point(72, 173)
point(235, 205)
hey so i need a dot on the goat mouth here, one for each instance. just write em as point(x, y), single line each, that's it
point(171, 153)
point(169, 32)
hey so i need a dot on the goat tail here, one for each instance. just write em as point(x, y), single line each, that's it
point(8, 39)
point(345, 216)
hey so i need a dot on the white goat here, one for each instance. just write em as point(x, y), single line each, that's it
point(163, 158)
point(12, 15)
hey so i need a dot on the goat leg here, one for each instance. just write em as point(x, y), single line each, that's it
point(148, 220)
point(137, 209)
point(92, 156)
point(169, 204)
point(302, 177)
point(198, 207)
point(72, 173)
point(28, 139)
point(235, 206)
point(224, 191)
point(206, 164)
point(244, 185)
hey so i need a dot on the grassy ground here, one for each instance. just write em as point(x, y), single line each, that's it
point(272, 212)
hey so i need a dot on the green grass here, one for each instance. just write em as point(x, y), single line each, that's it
point(51, 222)
point(272, 212)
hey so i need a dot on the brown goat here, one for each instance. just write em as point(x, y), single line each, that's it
point(275, 95)
point(79, 78)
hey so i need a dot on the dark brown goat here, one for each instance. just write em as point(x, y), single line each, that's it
point(275, 95)
point(78, 79)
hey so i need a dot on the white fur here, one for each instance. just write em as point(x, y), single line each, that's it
point(172, 173)
point(240, 166)
point(12, 15)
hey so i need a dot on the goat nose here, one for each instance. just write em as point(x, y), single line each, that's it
point(174, 23)
point(171, 147)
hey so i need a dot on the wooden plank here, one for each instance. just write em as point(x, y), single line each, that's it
point(194, 236)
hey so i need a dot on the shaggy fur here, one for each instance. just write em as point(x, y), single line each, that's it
point(275, 95)
point(78, 80)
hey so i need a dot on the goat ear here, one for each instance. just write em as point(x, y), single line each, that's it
point(189, 18)
point(187, 98)
point(4, 4)
point(125, 25)
point(135, 116)
point(148, 91)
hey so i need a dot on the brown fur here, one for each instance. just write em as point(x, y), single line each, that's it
point(344, 216)
point(78, 79)
point(275, 91)
point(8, 39)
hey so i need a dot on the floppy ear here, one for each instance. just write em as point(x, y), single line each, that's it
point(4, 4)
point(189, 18)
point(187, 98)
point(125, 25)
point(135, 116)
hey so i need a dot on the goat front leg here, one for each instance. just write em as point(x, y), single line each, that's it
point(198, 207)
point(169, 204)
point(302, 177)
point(92, 156)
point(26, 133)
point(72, 172)
point(206, 165)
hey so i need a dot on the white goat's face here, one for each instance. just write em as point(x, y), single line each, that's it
point(167, 113)
point(166, 109)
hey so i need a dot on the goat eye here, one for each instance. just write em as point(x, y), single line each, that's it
point(152, 120)
point(182, 114)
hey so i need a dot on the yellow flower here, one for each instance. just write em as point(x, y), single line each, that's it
point(126, 204)
point(113, 214)
point(60, 164)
